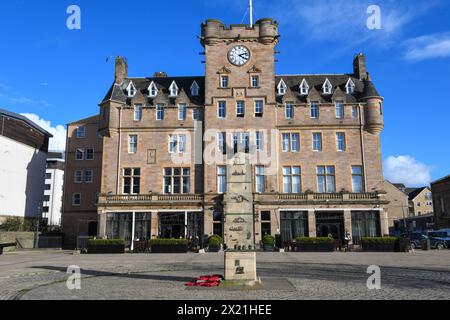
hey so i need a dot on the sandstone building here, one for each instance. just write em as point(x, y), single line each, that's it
point(163, 142)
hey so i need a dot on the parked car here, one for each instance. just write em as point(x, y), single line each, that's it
point(416, 239)
point(441, 238)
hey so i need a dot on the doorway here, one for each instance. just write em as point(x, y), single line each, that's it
point(330, 224)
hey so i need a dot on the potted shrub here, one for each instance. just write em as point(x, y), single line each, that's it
point(169, 246)
point(115, 246)
point(214, 243)
point(304, 244)
point(268, 243)
point(380, 244)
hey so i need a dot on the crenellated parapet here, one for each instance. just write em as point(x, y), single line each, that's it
point(264, 30)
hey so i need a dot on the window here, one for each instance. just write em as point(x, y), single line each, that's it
point(221, 179)
point(304, 88)
point(195, 114)
point(76, 199)
point(340, 141)
point(79, 154)
point(241, 142)
point(88, 176)
point(350, 87)
point(48, 187)
point(132, 144)
point(265, 216)
point(131, 90)
point(159, 112)
point(281, 88)
point(131, 181)
point(259, 108)
point(260, 179)
point(177, 143)
point(259, 140)
point(240, 109)
point(222, 109)
point(222, 142)
point(339, 110)
point(255, 81)
point(217, 224)
point(81, 132)
point(89, 154)
point(152, 90)
point(224, 81)
point(48, 176)
point(357, 179)
point(289, 110)
point(326, 180)
point(317, 141)
point(138, 112)
point(195, 89)
point(173, 89)
point(78, 176)
point(315, 110)
point(291, 142)
point(291, 180)
point(327, 87)
point(355, 112)
point(177, 180)
point(46, 198)
point(182, 112)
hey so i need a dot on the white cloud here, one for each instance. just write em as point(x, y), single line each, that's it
point(58, 142)
point(428, 47)
point(407, 170)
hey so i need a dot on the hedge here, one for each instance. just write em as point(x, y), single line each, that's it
point(268, 240)
point(380, 240)
point(305, 240)
point(100, 242)
point(215, 240)
point(168, 242)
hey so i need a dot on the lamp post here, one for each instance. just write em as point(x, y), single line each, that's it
point(37, 226)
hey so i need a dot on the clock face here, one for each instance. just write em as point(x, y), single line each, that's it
point(239, 55)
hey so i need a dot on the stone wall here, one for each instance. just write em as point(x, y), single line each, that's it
point(25, 240)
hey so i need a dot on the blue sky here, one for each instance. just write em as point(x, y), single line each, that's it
point(56, 75)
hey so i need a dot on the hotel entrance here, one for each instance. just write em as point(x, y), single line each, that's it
point(330, 223)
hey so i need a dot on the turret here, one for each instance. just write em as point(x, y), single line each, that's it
point(374, 107)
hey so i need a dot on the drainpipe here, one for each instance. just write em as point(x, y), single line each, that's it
point(363, 154)
point(119, 148)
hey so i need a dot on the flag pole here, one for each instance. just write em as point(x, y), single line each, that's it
point(251, 13)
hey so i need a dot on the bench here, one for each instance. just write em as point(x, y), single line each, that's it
point(5, 245)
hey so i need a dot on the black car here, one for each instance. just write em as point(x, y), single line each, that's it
point(416, 239)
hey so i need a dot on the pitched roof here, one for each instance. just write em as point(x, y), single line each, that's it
point(19, 117)
point(441, 180)
point(117, 92)
point(414, 192)
point(89, 120)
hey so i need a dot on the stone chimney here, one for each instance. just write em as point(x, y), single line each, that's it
point(160, 74)
point(121, 70)
point(359, 66)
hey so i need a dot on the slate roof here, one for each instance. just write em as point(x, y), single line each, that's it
point(118, 92)
point(363, 88)
point(444, 179)
point(414, 192)
point(19, 117)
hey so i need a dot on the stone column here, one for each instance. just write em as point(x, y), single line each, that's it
point(258, 231)
point(312, 227)
point(384, 223)
point(154, 225)
point(348, 223)
point(102, 224)
point(208, 222)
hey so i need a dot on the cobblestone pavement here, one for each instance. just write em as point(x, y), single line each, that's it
point(42, 275)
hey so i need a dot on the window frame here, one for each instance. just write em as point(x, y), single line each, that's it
point(289, 106)
point(360, 176)
point(325, 176)
point(137, 111)
point(130, 143)
point(319, 134)
point(259, 104)
point(221, 107)
point(80, 134)
point(339, 105)
point(173, 176)
point(343, 141)
point(223, 176)
point(261, 175)
point(182, 112)
point(314, 106)
point(74, 196)
point(159, 112)
point(240, 108)
point(224, 81)
point(291, 176)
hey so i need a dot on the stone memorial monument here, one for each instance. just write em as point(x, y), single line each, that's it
point(239, 236)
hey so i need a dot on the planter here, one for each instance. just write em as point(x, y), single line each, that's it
point(161, 248)
point(269, 248)
point(315, 247)
point(106, 249)
point(213, 248)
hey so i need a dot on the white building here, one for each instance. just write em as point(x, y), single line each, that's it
point(53, 191)
point(23, 155)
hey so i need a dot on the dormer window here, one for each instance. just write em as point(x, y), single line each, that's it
point(174, 89)
point(304, 88)
point(195, 89)
point(152, 90)
point(327, 87)
point(350, 87)
point(131, 90)
point(282, 88)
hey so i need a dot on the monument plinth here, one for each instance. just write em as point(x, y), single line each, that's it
point(239, 236)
